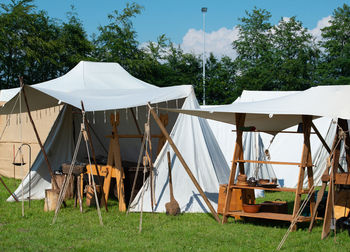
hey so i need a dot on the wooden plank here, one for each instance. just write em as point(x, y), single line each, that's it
point(305, 162)
point(329, 205)
point(268, 162)
point(134, 136)
point(270, 216)
point(236, 155)
point(342, 178)
point(276, 132)
point(281, 189)
point(324, 143)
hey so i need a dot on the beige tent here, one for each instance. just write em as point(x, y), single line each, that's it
point(10, 139)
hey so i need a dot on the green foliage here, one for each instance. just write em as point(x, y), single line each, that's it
point(220, 81)
point(35, 46)
point(282, 57)
point(335, 66)
point(117, 40)
point(255, 51)
point(295, 56)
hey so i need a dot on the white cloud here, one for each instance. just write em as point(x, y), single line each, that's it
point(217, 42)
point(316, 32)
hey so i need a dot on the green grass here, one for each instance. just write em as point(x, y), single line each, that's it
point(77, 231)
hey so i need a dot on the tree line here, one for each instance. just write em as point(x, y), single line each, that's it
point(269, 57)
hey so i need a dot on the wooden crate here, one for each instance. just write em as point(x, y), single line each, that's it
point(239, 196)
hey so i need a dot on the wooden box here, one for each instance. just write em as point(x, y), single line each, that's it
point(60, 179)
point(274, 207)
point(239, 196)
point(77, 169)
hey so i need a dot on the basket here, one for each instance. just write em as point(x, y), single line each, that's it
point(254, 208)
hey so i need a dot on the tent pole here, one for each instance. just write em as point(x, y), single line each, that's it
point(136, 123)
point(324, 143)
point(93, 154)
point(183, 162)
point(13, 196)
point(37, 136)
point(98, 139)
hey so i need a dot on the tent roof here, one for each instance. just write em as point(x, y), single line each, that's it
point(101, 86)
point(283, 112)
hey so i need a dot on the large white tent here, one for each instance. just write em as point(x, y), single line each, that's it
point(106, 88)
point(280, 110)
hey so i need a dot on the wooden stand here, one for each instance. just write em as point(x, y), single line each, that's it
point(238, 160)
point(335, 198)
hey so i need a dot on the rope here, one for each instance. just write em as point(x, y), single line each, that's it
point(301, 209)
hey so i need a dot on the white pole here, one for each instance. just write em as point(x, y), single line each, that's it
point(204, 10)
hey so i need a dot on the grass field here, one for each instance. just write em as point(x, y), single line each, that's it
point(77, 231)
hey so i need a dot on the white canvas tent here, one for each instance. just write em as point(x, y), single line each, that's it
point(278, 110)
point(106, 88)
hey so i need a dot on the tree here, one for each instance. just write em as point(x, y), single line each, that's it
point(254, 48)
point(220, 80)
point(295, 56)
point(117, 40)
point(335, 67)
point(28, 44)
point(73, 43)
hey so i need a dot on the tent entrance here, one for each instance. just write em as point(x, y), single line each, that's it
point(117, 138)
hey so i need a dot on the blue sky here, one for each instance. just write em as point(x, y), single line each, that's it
point(182, 19)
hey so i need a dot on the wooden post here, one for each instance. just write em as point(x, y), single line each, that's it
point(93, 152)
point(161, 141)
point(237, 155)
point(114, 160)
point(37, 135)
point(306, 163)
point(136, 123)
point(325, 144)
point(13, 196)
point(329, 205)
point(183, 162)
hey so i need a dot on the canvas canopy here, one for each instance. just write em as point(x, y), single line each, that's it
point(282, 147)
point(104, 88)
point(283, 112)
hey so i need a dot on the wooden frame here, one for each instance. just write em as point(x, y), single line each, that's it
point(304, 165)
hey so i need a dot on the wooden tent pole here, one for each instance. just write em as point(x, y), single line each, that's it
point(97, 137)
point(37, 136)
point(13, 196)
point(237, 154)
point(93, 153)
point(329, 213)
point(183, 162)
point(324, 143)
point(306, 163)
point(136, 123)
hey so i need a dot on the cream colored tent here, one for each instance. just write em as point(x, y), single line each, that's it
point(11, 140)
